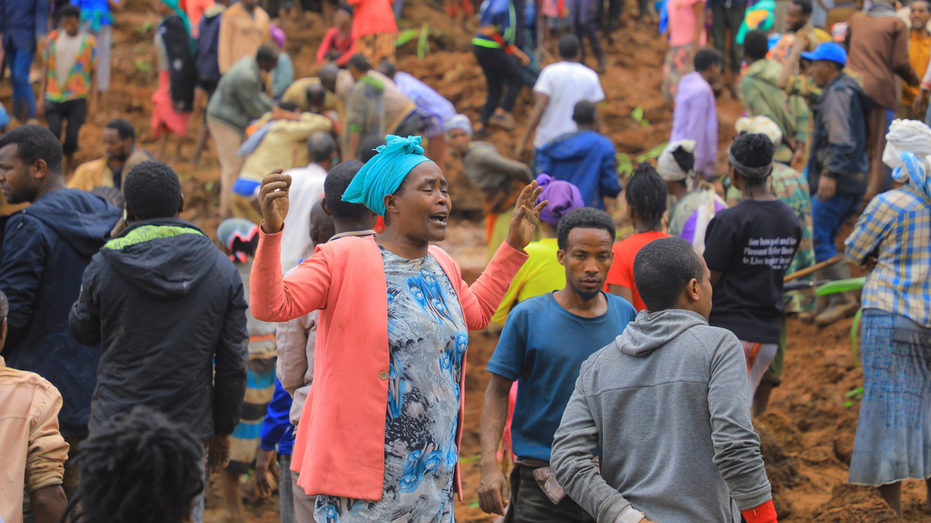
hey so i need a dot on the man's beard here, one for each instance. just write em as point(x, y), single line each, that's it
point(586, 295)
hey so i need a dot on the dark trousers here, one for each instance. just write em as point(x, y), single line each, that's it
point(74, 111)
point(725, 19)
point(500, 70)
point(615, 9)
point(585, 25)
point(530, 504)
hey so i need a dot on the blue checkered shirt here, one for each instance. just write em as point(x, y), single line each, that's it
point(896, 227)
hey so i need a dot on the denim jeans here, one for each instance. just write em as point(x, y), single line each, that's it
point(828, 217)
point(20, 61)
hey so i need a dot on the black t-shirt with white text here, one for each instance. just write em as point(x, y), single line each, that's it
point(752, 245)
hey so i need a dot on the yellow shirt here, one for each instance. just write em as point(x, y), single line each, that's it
point(297, 93)
point(96, 173)
point(540, 274)
point(284, 146)
point(919, 52)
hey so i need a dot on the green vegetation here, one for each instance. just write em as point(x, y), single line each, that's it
point(626, 165)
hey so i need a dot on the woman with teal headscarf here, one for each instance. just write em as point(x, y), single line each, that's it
point(384, 421)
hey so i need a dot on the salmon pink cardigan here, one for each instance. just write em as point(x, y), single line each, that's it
point(340, 444)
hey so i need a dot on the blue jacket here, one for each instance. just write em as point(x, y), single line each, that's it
point(585, 159)
point(277, 430)
point(22, 22)
point(46, 248)
point(838, 141)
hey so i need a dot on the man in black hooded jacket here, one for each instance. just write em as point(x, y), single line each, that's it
point(168, 308)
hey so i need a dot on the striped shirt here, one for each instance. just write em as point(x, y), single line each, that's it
point(896, 227)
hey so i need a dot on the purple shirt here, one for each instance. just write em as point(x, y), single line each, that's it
point(431, 106)
point(695, 117)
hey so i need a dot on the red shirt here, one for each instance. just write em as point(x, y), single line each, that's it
point(622, 272)
point(332, 40)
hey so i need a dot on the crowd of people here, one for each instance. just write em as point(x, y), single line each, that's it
point(317, 340)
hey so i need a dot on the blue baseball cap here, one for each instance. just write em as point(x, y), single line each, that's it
point(828, 51)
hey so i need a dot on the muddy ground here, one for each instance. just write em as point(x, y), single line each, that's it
point(809, 431)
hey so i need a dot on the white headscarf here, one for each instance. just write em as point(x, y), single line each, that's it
point(668, 168)
point(908, 153)
point(760, 125)
point(460, 122)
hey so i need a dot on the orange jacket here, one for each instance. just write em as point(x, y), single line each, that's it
point(340, 445)
point(241, 34)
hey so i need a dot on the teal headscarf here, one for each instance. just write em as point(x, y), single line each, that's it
point(384, 173)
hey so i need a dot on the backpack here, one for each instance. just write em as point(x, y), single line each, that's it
point(182, 75)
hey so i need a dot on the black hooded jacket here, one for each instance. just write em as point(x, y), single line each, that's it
point(169, 310)
point(46, 248)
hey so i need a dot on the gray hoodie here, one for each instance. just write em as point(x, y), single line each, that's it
point(666, 403)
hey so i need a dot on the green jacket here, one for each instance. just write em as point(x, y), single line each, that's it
point(761, 95)
point(240, 96)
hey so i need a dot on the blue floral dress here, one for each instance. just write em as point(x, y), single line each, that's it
point(427, 339)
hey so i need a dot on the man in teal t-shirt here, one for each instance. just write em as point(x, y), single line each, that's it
point(543, 345)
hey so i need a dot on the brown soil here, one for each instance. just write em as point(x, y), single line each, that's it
point(808, 433)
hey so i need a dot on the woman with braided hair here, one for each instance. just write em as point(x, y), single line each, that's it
point(645, 192)
point(748, 249)
point(138, 468)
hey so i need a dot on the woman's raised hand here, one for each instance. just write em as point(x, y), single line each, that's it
point(526, 217)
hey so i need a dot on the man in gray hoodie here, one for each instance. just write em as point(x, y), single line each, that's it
point(666, 403)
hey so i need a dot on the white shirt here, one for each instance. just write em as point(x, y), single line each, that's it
point(66, 55)
point(566, 84)
point(306, 189)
